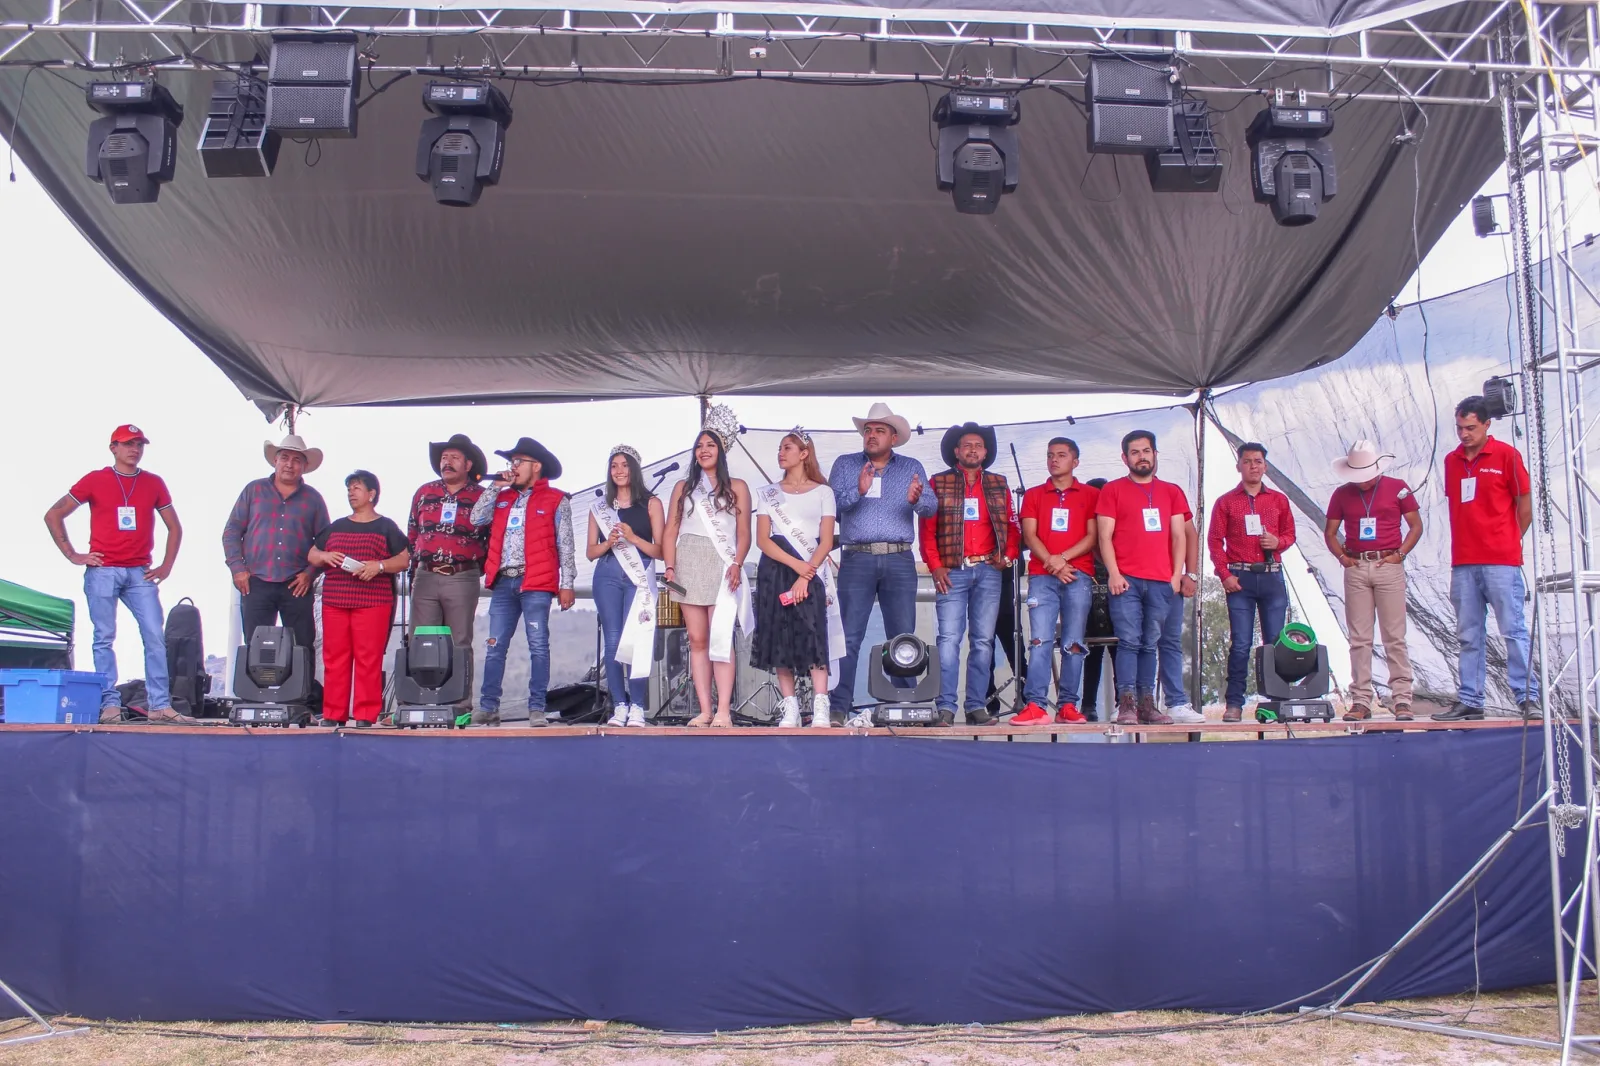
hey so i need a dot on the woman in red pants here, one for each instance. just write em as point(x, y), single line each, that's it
point(361, 554)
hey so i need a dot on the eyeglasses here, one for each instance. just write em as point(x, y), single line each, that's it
point(519, 461)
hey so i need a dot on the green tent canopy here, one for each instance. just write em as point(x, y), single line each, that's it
point(25, 612)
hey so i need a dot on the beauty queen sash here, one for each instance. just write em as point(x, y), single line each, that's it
point(786, 525)
point(637, 646)
point(731, 605)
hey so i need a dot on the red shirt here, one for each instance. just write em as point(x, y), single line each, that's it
point(1078, 501)
point(1386, 502)
point(1228, 538)
point(1484, 530)
point(1143, 552)
point(977, 534)
point(106, 492)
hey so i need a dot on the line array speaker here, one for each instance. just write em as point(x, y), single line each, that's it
point(312, 85)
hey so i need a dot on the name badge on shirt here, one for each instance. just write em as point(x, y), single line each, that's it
point(1152, 520)
point(875, 490)
point(127, 520)
point(1368, 530)
point(514, 520)
point(1059, 519)
point(1252, 525)
point(969, 509)
point(447, 513)
point(1469, 489)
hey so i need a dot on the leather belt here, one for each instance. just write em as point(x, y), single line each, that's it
point(1255, 568)
point(452, 569)
point(880, 547)
point(509, 573)
point(1374, 556)
point(976, 560)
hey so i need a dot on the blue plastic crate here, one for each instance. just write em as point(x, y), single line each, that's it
point(69, 696)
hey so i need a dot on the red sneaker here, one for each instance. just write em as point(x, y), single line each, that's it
point(1068, 715)
point(1032, 714)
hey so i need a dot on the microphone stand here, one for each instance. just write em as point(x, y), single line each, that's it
point(1017, 665)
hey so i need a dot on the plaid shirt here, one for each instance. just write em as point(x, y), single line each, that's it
point(460, 542)
point(1226, 539)
point(268, 536)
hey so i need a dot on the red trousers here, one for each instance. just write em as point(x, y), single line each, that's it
point(353, 642)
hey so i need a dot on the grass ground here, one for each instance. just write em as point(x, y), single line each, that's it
point(1128, 1039)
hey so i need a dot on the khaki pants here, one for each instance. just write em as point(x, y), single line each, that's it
point(1375, 588)
point(437, 599)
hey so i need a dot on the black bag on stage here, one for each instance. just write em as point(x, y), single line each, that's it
point(186, 659)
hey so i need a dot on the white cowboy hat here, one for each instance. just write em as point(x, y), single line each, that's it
point(879, 412)
point(1362, 464)
point(292, 443)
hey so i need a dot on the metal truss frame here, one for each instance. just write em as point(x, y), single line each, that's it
point(1399, 62)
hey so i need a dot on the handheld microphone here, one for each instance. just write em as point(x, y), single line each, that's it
point(664, 471)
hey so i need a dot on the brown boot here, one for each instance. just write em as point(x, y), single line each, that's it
point(1402, 712)
point(1127, 712)
point(1150, 714)
point(1233, 714)
point(1359, 713)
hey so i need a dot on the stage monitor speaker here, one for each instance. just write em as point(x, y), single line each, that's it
point(1127, 81)
point(1193, 164)
point(312, 110)
point(671, 691)
point(1130, 129)
point(313, 59)
point(235, 141)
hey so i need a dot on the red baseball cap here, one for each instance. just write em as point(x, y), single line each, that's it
point(127, 434)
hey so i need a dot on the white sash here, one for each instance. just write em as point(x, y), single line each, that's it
point(638, 644)
point(789, 529)
point(731, 605)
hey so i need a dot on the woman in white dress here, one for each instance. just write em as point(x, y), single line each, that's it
point(706, 540)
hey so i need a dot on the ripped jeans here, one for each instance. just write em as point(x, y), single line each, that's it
point(1050, 598)
point(508, 605)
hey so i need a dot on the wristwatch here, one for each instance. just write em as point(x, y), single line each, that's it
point(1191, 577)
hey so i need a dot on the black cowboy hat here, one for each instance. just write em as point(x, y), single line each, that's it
point(463, 444)
point(549, 465)
point(953, 435)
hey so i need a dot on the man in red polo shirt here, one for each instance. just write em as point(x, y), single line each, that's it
point(123, 504)
point(1491, 507)
point(1058, 527)
point(1141, 529)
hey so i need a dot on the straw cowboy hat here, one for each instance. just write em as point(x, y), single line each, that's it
point(879, 412)
point(953, 435)
point(1363, 463)
point(463, 444)
point(292, 443)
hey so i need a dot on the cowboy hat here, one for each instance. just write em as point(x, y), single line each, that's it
point(292, 443)
point(953, 435)
point(1362, 464)
point(463, 444)
point(549, 465)
point(879, 412)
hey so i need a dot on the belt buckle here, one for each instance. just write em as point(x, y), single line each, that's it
point(447, 570)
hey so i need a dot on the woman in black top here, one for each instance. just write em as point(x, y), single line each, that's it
point(640, 520)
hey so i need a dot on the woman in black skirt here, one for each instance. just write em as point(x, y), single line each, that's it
point(791, 596)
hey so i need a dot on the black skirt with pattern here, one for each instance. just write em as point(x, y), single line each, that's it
point(793, 637)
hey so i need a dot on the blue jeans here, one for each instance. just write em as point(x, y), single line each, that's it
point(613, 596)
point(1170, 653)
point(508, 605)
point(1137, 617)
point(1049, 598)
point(968, 610)
point(892, 581)
point(1473, 590)
point(103, 586)
point(1260, 596)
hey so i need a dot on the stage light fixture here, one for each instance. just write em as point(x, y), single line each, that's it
point(463, 145)
point(978, 158)
point(1484, 224)
point(430, 680)
point(272, 679)
point(904, 676)
point(1500, 394)
point(1292, 677)
point(1292, 164)
point(133, 150)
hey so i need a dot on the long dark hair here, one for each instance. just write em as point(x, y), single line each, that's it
point(636, 490)
point(722, 497)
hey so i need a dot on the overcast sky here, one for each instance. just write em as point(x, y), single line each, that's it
point(87, 353)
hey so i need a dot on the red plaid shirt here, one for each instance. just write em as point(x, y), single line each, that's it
point(1226, 539)
point(268, 536)
point(433, 544)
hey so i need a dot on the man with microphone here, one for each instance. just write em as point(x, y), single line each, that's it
point(1251, 526)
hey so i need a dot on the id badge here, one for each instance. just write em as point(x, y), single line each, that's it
point(447, 513)
point(1368, 529)
point(875, 490)
point(969, 509)
point(1469, 489)
point(1152, 520)
point(1252, 525)
point(515, 520)
point(127, 519)
point(1059, 519)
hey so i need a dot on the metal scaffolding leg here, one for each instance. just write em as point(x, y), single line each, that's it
point(50, 1031)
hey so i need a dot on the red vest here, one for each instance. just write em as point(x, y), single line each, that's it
point(543, 562)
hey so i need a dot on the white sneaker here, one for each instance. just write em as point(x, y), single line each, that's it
point(791, 713)
point(1185, 715)
point(636, 716)
point(821, 713)
point(619, 717)
point(859, 721)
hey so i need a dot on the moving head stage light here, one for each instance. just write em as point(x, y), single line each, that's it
point(978, 158)
point(430, 680)
point(461, 148)
point(272, 679)
point(905, 678)
point(1292, 165)
point(1292, 677)
point(133, 150)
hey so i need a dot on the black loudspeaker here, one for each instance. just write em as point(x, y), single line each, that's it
point(1130, 129)
point(312, 60)
point(1125, 81)
point(1193, 164)
point(312, 110)
point(235, 141)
